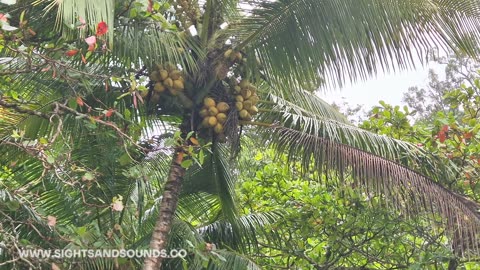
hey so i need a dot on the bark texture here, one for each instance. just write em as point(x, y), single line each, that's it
point(167, 209)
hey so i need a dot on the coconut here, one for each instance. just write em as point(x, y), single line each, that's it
point(239, 106)
point(159, 66)
point(254, 98)
point(218, 128)
point(247, 104)
point(159, 87)
point(228, 53)
point(244, 83)
point(243, 114)
point(212, 121)
point(205, 121)
point(237, 89)
point(178, 85)
point(246, 93)
point(209, 102)
point(203, 112)
point(222, 107)
point(175, 75)
point(173, 91)
point(212, 111)
point(253, 110)
point(155, 76)
point(239, 98)
point(163, 74)
point(168, 83)
point(221, 118)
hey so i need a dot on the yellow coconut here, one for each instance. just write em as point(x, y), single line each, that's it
point(163, 74)
point(205, 121)
point(239, 106)
point(159, 88)
point(221, 118)
point(222, 106)
point(254, 98)
point(218, 128)
point(212, 121)
point(173, 91)
point(175, 74)
point(244, 83)
point(237, 89)
point(239, 98)
point(228, 53)
point(168, 83)
point(243, 114)
point(246, 93)
point(155, 76)
point(178, 85)
point(209, 102)
point(212, 111)
point(253, 110)
point(203, 112)
point(247, 104)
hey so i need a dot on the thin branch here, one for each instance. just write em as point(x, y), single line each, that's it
point(109, 124)
point(20, 109)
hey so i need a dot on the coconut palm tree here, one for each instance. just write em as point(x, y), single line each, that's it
point(215, 70)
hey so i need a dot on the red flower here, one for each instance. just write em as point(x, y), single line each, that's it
point(71, 52)
point(102, 28)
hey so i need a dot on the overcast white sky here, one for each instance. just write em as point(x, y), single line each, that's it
point(388, 87)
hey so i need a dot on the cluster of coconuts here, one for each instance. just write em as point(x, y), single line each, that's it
point(214, 114)
point(246, 100)
point(169, 78)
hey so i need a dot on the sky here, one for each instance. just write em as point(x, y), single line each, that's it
point(388, 87)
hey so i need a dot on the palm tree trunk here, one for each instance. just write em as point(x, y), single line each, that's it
point(167, 209)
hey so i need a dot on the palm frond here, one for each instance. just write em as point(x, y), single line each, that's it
point(313, 116)
point(69, 13)
point(405, 190)
point(215, 177)
point(146, 43)
point(244, 234)
point(312, 41)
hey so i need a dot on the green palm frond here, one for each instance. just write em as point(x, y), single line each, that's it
point(215, 177)
point(343, 40)
point(69, 13)
point(243, 235)
point(405, 190)
point(145, 43)
point(313, 116)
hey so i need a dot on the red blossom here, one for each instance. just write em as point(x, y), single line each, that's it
point(71, 53)
point(102, 28)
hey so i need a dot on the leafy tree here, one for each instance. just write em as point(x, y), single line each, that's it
point(451, 133)
point(96, 94)
point(428, 101)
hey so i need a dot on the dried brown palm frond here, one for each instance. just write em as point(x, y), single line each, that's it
point(403, 189)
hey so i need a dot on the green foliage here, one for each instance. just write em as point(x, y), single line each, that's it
point(332, 225)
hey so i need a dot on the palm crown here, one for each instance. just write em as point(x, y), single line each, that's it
point(129, 131)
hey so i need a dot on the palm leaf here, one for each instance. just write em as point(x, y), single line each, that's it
point(313, 116)
point(308, 41)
